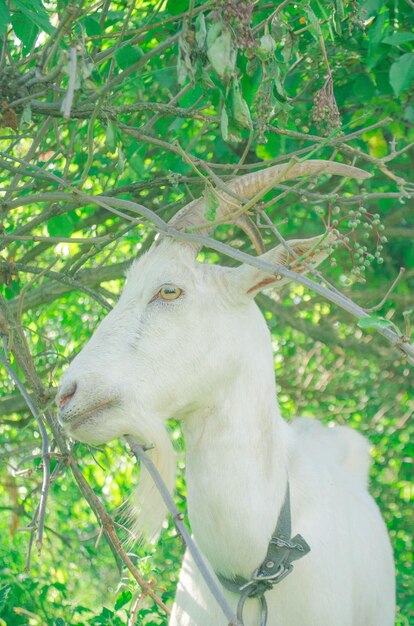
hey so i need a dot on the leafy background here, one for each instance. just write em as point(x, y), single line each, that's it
point(150, 102)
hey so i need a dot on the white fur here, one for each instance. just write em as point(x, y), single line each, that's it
point(206, 358)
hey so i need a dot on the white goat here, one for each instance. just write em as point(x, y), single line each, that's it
point(186, 341)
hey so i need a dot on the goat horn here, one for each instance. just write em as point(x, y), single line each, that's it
point(249, 227)
point(247, 186)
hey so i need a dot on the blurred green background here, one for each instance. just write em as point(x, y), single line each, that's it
point(140, 101)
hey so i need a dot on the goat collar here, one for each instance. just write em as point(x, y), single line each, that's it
point(282, 550)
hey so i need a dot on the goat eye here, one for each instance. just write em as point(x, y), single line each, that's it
point(169, 292)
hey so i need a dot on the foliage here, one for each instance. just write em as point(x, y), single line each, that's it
point(148, 102)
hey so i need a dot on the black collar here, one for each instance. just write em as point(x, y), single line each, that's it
point(282, 550)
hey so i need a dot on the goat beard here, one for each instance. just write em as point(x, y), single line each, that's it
point(147, 509)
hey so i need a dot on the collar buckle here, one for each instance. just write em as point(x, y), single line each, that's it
point(282, 571)
point(281, 551)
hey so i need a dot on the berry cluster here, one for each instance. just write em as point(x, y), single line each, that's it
point(356, 17)
point(360, 255)
point(264, 105)
point(237, 14)
point(325, 112)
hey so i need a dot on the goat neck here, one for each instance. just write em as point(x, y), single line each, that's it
point(236, 461)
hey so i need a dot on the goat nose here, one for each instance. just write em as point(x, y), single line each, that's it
point(65, 395)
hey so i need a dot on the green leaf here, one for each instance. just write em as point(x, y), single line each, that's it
point(340, 9)
point(60, 226)
point(316, 30)
point(111, 137)
point(206, 79)
point(128, 55)
point(222, 55)
point(402, 73)
point(377, 28)
point(214, 30)
point(181, 70)
point(58, 585)
point(184, 63)
point(252, 66)
point(4, 592)
point(287, 50)
point(137, 163)
point(337, 24)
point(26, 116)
point(200, 31)
point(92, 26)
point(409, 114)
point(224, 124)
point(81, 609)
point(124, 597)
point(104, 618)
point(266, 48)
point(4, 17)
point(25, 30)
point(372, 322)
point(371, 7)
point(175, 7)
point(211, 204)
point(121, 160)
point(241, 112)
point(398, 38)
point(274, 73)
point(34, 10)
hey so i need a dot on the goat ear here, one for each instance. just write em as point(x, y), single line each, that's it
point(297, 254)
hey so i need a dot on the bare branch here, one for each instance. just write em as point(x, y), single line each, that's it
point(389, 291)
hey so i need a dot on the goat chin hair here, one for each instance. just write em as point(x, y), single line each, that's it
point(146, 508)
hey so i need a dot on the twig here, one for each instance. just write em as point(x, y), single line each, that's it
point(109, 530)
point(67, 102)
point(332, 141)
point(56, 276)
point(41, 510)
point(407, 323)
point(312, 270)
point(88, 241)
point(156, 51)
point(149, 27)
point(19, 172)
point(173, 100)
point(389, 291)
point(28, 285)
point(134, 610)
point(55, 288)
point(142, 456)
point(84, 111)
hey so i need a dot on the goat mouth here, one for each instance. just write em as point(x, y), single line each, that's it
point(88, 415)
